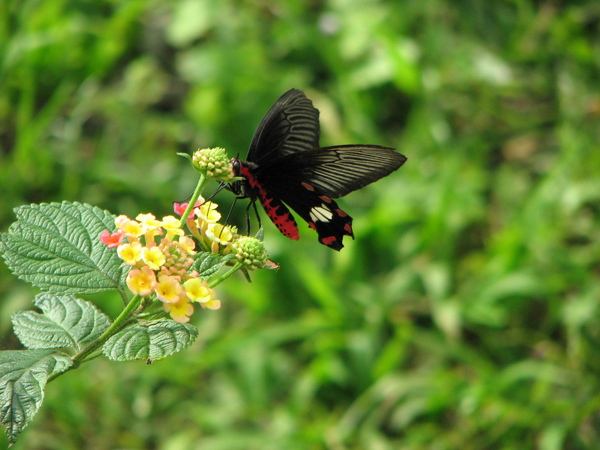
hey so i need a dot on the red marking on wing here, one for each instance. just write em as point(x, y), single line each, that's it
point(329, 241)
point(325, 198)
point(307, 186)
point(341, 213)
point(275, 209)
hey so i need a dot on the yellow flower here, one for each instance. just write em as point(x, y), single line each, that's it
point(121, 220)
point(132, 228)
point(168, 289)
point(153, 257)
point(148, 220)
point(198, 290)
point(171, 224)
point(131, 253)
point(187, 244)
point(211, 304)
point(151, 227)
point(219, 233)
point(208, 212)
point(180, 310)
point(141, 281)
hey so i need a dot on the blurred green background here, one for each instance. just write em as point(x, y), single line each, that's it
point(464, 315)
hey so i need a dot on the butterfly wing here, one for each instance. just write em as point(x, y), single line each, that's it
point(290, 126)
point(322, 215)
point(331, 171)
point(308, 181)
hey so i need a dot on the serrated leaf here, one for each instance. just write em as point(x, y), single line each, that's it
point(66, 322)
point(23, 376)
point(56, 247)
point(208, 263)
point(150, 340)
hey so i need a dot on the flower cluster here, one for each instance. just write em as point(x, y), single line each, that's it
point(161, 258)
point(224, 240)
point(204, 225)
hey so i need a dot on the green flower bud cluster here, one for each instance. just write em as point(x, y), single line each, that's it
point(214, 163)
point(250, 252)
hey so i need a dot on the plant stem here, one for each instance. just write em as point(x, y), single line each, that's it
point(84, 355)
point(199, 188)
point(222, 277)
point(131, 306)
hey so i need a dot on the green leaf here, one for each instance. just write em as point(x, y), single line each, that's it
point(23, 376)
point(150, 340)
point(56, 247)
point(208, 263)
point(66, 322)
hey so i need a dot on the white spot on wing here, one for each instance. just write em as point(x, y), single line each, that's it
point(321, 213)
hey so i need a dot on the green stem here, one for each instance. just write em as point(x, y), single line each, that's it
point(131, 306)
point(222, 277)
point(92, 349)
point(199, 188)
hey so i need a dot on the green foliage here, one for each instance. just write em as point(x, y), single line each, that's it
point(61, 243)
point(207, 264)
point(465, 313)
point(65, 321)
point(150, 341)
point(23, 376)
point(57, 248)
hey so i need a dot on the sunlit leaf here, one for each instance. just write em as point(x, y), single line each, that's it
point(23, 376)
point(66, 321)
point(208, 263)
point(56, 247)
point(150, 340)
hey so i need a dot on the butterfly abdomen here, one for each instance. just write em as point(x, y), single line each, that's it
point(278, 213)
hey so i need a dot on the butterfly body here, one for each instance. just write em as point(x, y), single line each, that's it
point(285, 166)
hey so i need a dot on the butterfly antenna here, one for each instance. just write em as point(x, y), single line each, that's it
point(230, 210)
point(222, 185)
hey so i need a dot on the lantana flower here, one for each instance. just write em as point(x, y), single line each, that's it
point(161, 257)
point(168, 289)
point(131, 253)
point(111, 240)
point(203, 224)
point(180, 310)
point(153, 257)
point(141, 281)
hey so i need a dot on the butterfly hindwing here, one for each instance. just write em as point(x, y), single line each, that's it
point(320, 212)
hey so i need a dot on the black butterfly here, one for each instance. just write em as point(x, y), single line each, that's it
point(285, 166)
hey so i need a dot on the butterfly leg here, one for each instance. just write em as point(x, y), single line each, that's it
point(248, 217)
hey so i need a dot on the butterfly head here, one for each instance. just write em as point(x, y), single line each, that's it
point(242, 170)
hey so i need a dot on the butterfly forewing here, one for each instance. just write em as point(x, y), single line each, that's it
point(290, 126)
point(334, 171)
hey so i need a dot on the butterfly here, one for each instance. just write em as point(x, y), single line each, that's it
point(286, 169)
